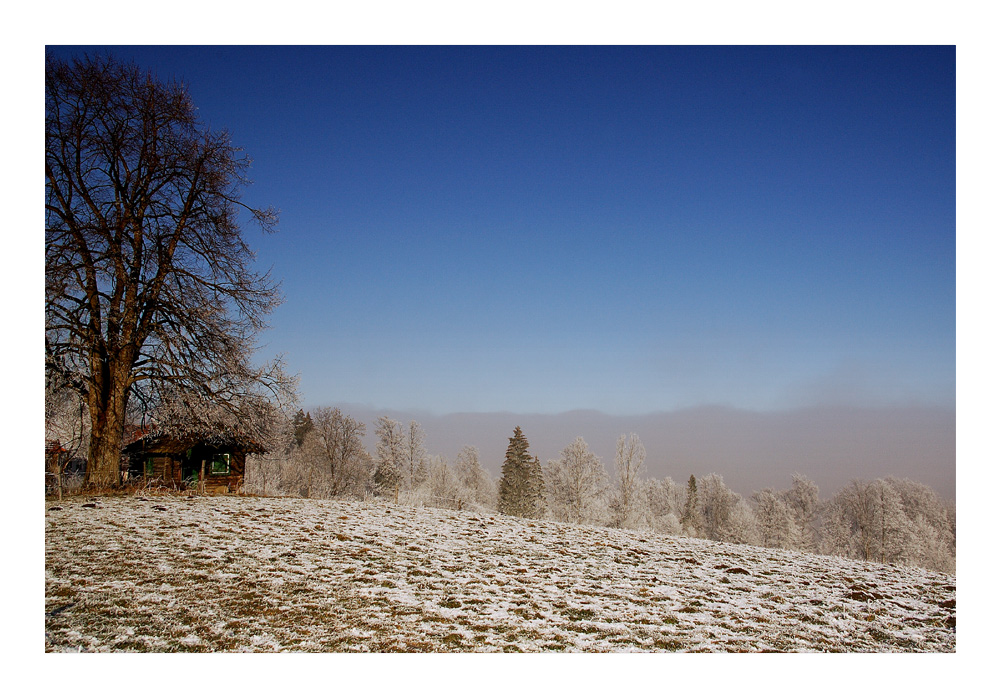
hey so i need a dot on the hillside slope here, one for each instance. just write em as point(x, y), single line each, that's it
point(253, 574)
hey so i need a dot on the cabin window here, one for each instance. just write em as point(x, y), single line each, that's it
point(220, 464)
point(148, 467)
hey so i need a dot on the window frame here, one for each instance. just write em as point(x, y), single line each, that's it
point(226, 458)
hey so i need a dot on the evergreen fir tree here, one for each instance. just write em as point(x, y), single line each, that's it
point(536, 489)
point(522, 485)
point(692, 520)
point(302, 424)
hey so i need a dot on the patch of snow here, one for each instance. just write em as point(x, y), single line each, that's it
point(255, 574)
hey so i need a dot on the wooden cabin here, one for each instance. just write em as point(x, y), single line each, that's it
point(181, 461)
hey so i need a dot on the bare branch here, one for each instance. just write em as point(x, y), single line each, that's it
point(150, 285)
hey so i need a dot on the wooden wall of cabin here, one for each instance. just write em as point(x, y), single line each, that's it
point(198, 454)
point(233, 480)
point(173, 469)
point(165, 467)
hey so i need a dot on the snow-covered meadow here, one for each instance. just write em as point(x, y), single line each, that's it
point(173, 573)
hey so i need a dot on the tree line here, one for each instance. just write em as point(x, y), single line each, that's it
point(321, 454)
point(890, 520)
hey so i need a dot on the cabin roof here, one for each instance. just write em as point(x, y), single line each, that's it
point(152, 442)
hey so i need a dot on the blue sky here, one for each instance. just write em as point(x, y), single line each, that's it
point(621, 229)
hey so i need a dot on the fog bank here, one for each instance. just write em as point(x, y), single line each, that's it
point(751, 450)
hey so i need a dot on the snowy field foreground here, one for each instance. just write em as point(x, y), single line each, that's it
point(171, 573)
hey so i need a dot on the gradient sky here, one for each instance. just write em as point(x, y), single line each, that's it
point(629, 230)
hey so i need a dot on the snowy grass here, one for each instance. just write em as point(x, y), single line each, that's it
point(199, 574)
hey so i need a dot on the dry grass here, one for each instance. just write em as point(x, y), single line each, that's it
point(196, 574)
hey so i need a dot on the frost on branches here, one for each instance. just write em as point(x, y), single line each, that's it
point(575, 484)
point(150, 290)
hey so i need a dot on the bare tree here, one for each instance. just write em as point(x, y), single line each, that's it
point(66, 431)
point(716, 502)
point(305, 472)
point(149, 282)
point(666, 505)
point(626, 504)
point(932, 526)
point(890, 520)
point(442, 485)
point(892, 526)
point(339, 438)
point(774, 519)
point(868, 522)
point(179, 411)
point(473, 477)
point(741, 524)
point(265, 472)
point(575, 483)
point(803, 501)
point(390, 455)
point(415, 462)
point(851, 525)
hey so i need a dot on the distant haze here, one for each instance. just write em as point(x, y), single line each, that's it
point(751, 450)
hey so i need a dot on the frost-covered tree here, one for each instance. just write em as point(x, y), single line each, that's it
point(721, 514)
point(342, 451)
point(775, 520)
point(66, 418)
point(716, 502)
point(867, 521)
point(475, 481)
point(928, 546)
point(415, 456)
point(149, 281)
point(665, 501)
point(627, 508)
point(522, 484)
point(264, 471)
point(850, 525)
point(575, 484)
point(932, 525)
point(441, 484)
point(305, 472)
point(251, 418)
point(390, 456)
point(892, 527)
point(741, 523)
point(67, 431)
point(804, 504)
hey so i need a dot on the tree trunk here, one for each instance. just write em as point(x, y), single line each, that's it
point(107, 403)
point(56, 468)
